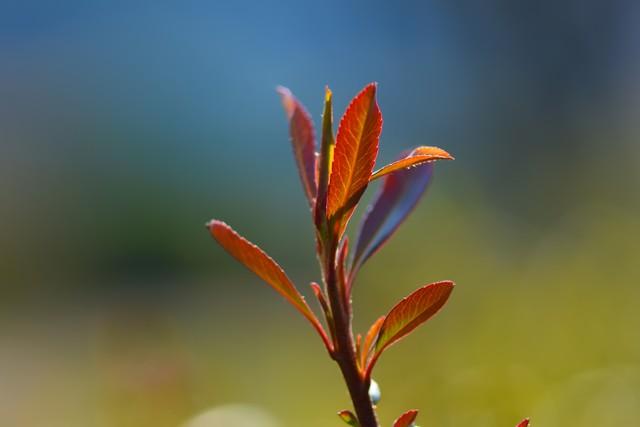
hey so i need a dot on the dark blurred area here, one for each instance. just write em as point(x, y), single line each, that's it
point(125, 126)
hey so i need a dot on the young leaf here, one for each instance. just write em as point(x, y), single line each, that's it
point(418, 156)
point(326, 159)
point(406, 419)
point(524, 423)
point(349, 418)
point(410, 313)
point(369, 339)
point(328, 315)
point(341, 261)
point(354, 156)
point(358, 348)
point(396, 198)
point(302, 140)
point(264, 267)
point(321, 298)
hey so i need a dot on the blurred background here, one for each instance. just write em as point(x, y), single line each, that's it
point(124, 126)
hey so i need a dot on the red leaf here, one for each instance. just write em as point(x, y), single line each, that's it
point(524, 423)
point(418, 156)
point(264, 267)
point(410, 313)
point(369, 339)
point(406, 419)
point(302, 140)
point(354, 156)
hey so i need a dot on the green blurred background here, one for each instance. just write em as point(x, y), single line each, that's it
point(124, 126)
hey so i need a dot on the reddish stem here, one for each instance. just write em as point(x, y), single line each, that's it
point(344, 350)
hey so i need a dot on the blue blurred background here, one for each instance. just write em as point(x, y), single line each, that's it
point(124, 126)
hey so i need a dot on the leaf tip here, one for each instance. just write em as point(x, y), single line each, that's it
point(215, 224)
point(327, 94)
point(437, 152)
point(523, 423)
point(447, 156)
point(371, 88)
point(283, 91)
point(288, 100)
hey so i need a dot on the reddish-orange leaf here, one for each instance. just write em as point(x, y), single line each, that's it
point(302, 140)
point(369, 339)
point(354, 156)
point(418, 156)
point(524, 423)
point(406, 419)
point(264, 267)
point(410, 313)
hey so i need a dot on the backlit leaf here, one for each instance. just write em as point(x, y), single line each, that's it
point(396, 198)
point(369, 339)
point(406, 419)
point(418, 156)
point(264, 267)
point(302, 141)
point(524, 423)
point(410, 313)
point(354, 156)
point(326, 158)
point(348, 417)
